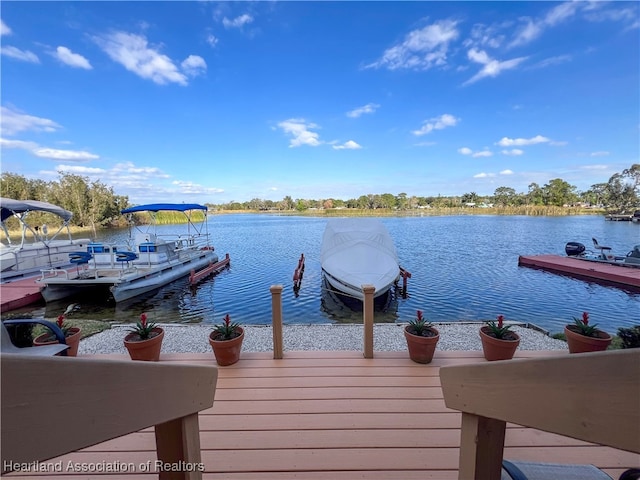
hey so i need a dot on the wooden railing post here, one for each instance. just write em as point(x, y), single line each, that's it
point(367, 312)
point(276, 319)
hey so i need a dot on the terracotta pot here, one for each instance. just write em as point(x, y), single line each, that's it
point(579, 343)
point(72, 339)
point(421, 349)
point(227, 352)
point(498, 349)
point(147, 350)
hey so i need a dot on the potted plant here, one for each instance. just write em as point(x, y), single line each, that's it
point(144, 341)
point(582, 337)
point(498, 341)
point(72, 337)
point(226, 342)
point(422, 339)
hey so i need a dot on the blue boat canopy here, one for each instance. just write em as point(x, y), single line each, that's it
point(157, 207)
point(10, 207)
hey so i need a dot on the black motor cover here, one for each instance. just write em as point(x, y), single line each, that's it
point(574, 248)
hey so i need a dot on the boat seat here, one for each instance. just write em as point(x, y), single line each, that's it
point(7, 345)
point(602, 248)
point(123, 257)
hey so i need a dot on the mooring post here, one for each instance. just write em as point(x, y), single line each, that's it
point(276, 319)
point(367, 312)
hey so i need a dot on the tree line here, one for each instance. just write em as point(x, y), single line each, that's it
point(621, 194)
point(95, 204)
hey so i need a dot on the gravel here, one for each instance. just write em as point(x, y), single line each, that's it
point(386, 337)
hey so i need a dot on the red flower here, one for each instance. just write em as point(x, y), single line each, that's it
point(419, 315)
point(585, 318)
point(60, 321)
point(143, 319)
point(500, 320)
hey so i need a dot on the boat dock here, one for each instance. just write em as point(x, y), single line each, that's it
point(613, 274)
point(19, 293)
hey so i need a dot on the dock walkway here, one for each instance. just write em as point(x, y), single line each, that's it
point(612, 274)
point(334, 415)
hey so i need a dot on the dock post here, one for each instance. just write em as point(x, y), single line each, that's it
point(367, 312)
point(276, 319)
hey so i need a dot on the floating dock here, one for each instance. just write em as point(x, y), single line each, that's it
point(19, 293)
point(613, 274)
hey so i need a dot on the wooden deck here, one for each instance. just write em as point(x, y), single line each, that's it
point(332, 415)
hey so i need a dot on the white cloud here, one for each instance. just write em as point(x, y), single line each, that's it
point(506, 172)
point(480, 153)
point(425, 144)
point(23, 55)
point(368, 108)
point(81, 170)
point(519, 142)
point(4, 29)
point(135, 54)
point(76, 60)
point(513, 152)
point(600, 154)
point(350, 145)
point(72, 155)
point(237, 22)
point(194, 188)
point(484, 175)
point(436, 123)
point(533, 29)
point(5, 143)
point(13, 122)
point(194, 65)
point(492, 68)
point(483, 153)
point(557, 60)
point(212, 40)
point(300, 132)
point(421, 49)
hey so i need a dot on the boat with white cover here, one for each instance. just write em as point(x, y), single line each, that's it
point(356, 252)
point(37, 248)
point(149, 261)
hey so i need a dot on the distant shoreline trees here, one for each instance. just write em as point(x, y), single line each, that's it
point(95, 204)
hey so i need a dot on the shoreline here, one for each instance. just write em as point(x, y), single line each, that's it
point(328, 337)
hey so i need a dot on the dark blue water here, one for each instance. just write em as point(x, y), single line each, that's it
point(464, 268)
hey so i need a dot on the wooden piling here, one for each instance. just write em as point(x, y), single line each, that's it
point(276, 319)
point(367, 312)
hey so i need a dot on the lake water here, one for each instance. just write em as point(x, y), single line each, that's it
point(464, 268)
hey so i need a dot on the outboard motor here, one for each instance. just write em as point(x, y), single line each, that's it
point(573, 249)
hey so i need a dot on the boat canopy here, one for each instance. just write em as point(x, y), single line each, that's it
point(157, 207)
point(10, 207)
point(345, 233)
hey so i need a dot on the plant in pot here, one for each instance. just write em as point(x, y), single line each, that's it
point(226, 341)
point(582, 337)
point(422, 339)
point(72, 336)
point(144, 341)
point(498, 341)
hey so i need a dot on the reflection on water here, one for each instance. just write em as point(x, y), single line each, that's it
point(346, 309)
point(464, 268)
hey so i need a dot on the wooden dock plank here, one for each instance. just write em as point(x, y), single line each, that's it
point(338, 416)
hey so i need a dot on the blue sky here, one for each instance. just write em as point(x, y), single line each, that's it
point(218, 102)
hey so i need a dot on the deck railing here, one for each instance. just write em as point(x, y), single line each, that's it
point(276, 320)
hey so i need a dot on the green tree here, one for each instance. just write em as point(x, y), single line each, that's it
point(558, 192)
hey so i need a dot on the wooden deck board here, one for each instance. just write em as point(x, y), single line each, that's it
point(335, 415)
